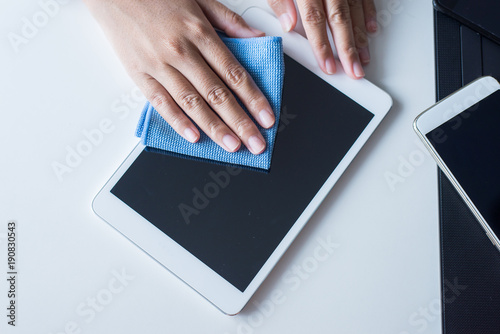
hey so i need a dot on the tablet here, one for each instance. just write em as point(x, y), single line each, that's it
point(221, 228)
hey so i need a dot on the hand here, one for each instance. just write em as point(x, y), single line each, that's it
point(172, 52)
point(348, 20)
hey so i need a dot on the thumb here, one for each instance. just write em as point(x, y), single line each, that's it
point(286, 13)
point(228, 21)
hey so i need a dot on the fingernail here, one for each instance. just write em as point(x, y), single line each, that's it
point(372, 26)
point(286, 22)
point(257, 145)
point(364, 55)
point(358, 70)
point(230, 142)
point(330, 66)
point(266, 118)
point(190, 135)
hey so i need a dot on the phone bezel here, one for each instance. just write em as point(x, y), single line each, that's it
point(446, 109)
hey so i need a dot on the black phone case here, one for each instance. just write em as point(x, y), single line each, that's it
point(470, 264)
point(464, 21)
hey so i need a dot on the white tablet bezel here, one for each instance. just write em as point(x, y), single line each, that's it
point(444, 111)
point(186, 266)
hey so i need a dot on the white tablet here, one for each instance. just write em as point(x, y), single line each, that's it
point(221, 229)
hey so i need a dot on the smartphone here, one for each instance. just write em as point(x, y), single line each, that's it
point(479, 15)
point(462, 133)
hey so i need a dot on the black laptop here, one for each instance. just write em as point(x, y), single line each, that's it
point(470, 264)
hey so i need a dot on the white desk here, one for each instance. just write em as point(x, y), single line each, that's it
point(65, 80)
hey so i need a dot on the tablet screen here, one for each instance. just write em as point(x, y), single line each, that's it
point(230, 218)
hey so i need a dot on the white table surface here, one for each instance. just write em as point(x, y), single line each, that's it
point(64, 79)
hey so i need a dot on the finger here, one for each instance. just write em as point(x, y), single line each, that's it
point(223, 102)
point(359, 30)
point(228, 21)
point(370, 12)
point(339, 20)
point(314, 19)
point(285, 12)
point(167, 108)
point(190, 101)
point(225, 65)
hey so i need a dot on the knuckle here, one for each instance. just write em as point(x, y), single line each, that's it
point(214, 127)
point(340, 14)
point(314, 16)
point(233, 18)
point(199, 29)
point(360, 37)
point(190, 101)
point(236, 75)
point(354, 3)
point(370, 8)
point(243, 125)
point(161, 66)
point(175, 120)
point(175, 47)
point(322, 46)
point(218, 95)
point(254, 100)
point(350, 51)
point(371, 13)
point(159, 100)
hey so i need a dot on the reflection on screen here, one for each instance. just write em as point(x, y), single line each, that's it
point(469, 144)
point(232, 219)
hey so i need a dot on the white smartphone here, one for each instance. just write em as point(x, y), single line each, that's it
point(462, 132)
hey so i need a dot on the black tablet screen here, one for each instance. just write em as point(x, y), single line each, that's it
point(232, 219)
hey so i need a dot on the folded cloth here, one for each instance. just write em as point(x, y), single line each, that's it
point(262, 57)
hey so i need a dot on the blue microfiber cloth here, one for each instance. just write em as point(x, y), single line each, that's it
point(262, 57)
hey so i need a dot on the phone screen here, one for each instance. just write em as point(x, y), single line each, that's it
point(482, 14)
point(469, 145)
